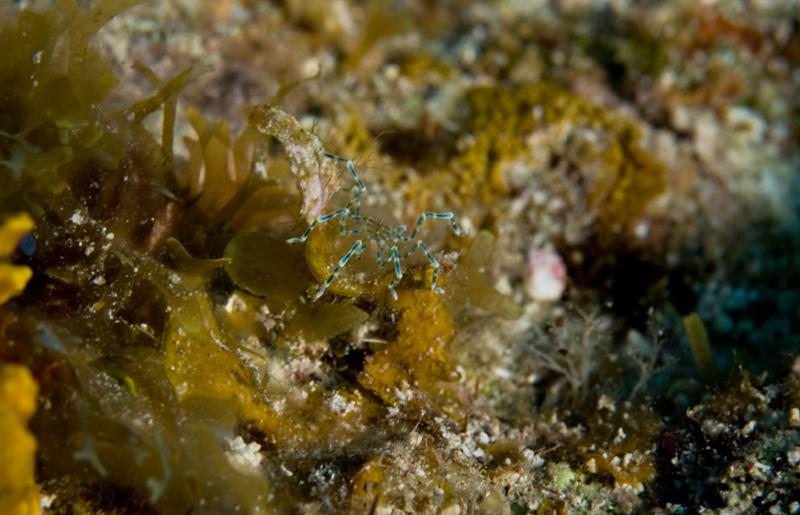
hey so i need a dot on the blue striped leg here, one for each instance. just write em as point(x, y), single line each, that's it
point(343, 212)
point(356, 249)
point(432, 260)
point(360, 188)
point(457, 230)
point(379, 258)
point(398, 273)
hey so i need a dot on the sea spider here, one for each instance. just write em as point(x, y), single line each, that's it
point(387, 239)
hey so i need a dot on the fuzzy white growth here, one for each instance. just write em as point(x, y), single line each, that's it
point(317, 179)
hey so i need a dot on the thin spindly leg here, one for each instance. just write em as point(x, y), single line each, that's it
point(359, 189)
point(398, 272)
point(343, 212)
point(434, 264)
point(457, 230)
point(356, 249)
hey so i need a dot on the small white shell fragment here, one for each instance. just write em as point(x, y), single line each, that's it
point(546, 275)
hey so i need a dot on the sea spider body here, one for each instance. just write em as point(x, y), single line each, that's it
point(388, 240)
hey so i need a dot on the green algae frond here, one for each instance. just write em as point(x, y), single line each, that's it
point(700, 346)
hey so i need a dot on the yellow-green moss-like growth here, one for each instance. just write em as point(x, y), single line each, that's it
point(19, 494)
point(409, 370)
point(625, 178)
point(621, 177)
point(13, 278)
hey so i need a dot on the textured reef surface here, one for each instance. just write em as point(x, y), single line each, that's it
point(608, 322)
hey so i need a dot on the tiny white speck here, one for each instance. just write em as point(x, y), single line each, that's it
point(78, 217)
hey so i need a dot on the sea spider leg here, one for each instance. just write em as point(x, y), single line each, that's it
point(396, 237)
point(432, 260)
point(357, 248)
point(343, 212)
point(458, 231)
point(379, 257)
point(360, 188)
point(398, 272)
